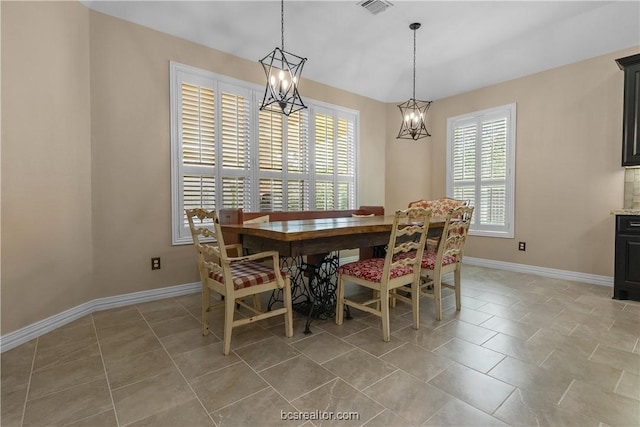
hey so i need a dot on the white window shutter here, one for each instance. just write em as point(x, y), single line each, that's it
point(346, 163)
point(270, 141)
point(196, 148)
point(234, 148)
point(226, 153)
point(481, 152)
point(283, 161)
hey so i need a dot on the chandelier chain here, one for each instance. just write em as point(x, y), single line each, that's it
point(282, 23)
point(414, 63)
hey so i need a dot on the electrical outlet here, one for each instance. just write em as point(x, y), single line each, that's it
point(155, 263)
point(522, 246)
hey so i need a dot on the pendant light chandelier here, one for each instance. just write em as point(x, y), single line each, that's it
point(283, 70)
point(414, 112)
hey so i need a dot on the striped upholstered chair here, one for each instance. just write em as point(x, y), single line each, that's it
point(235, 278)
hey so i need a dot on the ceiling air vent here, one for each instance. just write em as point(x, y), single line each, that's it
point(375, 6)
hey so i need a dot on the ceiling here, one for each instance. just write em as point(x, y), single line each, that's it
point(461, 45)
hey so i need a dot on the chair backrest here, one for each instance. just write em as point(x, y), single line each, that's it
point(454, 234)
point(406, 242)
point(203, 225)
point(440, 207)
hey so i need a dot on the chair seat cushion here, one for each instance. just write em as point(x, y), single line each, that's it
point(371, 270)
point(246, 274)
point(428, 259)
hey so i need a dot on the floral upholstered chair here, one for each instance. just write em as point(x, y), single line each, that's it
point(235, 278)
point(400, 267)
point(439, 208)
point(447, 258)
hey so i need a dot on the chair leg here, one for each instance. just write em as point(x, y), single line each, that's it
point(376, 295)
point(393, 298)
point(384, 306)
point(456, 275)
point(340, 301)
point(206, 302)
point(228, 325)
point(256, 302)
point(415, 303)
point(288, 316)
point(437, 295)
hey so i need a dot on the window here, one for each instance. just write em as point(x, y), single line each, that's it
point(226, 153)
point(481, 167)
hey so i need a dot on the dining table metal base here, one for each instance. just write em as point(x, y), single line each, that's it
point(313, 286)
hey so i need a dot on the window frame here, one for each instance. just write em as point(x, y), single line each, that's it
point(180, 73)
point(509, 112)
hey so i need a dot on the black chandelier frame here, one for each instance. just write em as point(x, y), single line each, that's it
point(413, 111)
point(283, 70)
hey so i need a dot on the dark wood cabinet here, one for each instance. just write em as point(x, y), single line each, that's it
point(626, 282)
point(631, 113)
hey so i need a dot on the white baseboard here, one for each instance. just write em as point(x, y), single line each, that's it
point(542, 271)
point(23, 335)
point(531, 269)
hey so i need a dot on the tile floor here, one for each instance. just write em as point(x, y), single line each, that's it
point(523, 351)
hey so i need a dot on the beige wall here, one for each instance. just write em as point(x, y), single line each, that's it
point(46, 161)
point(409, 173)
point(131, 158)
point(568, 173)
point(86, 160)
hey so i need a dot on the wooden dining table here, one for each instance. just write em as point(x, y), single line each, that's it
point(318, 240)
point(319, 236)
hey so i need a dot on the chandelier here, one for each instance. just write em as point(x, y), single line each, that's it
point(283, 70)
point(414, 112)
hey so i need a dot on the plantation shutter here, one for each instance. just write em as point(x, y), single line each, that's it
point(283, 161)
point(297, 159)
point(464, 163)
point(481, 161)
point(196, 134)
point(234, 148)
point(346, 163)
point(270, 141)
point(270, 160)
point(324, 162)
point(493, 173)
point(226, 153)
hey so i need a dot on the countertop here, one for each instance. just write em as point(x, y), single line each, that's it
point(625, 212)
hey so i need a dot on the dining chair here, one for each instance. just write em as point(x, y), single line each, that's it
point(447, 258)
point(258, 220)
point(235, 277)
point(383, 275)
point(439, 209)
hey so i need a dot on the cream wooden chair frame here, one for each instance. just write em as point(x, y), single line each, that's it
point(448, 258)
point(405, 248)
point(215, 263)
